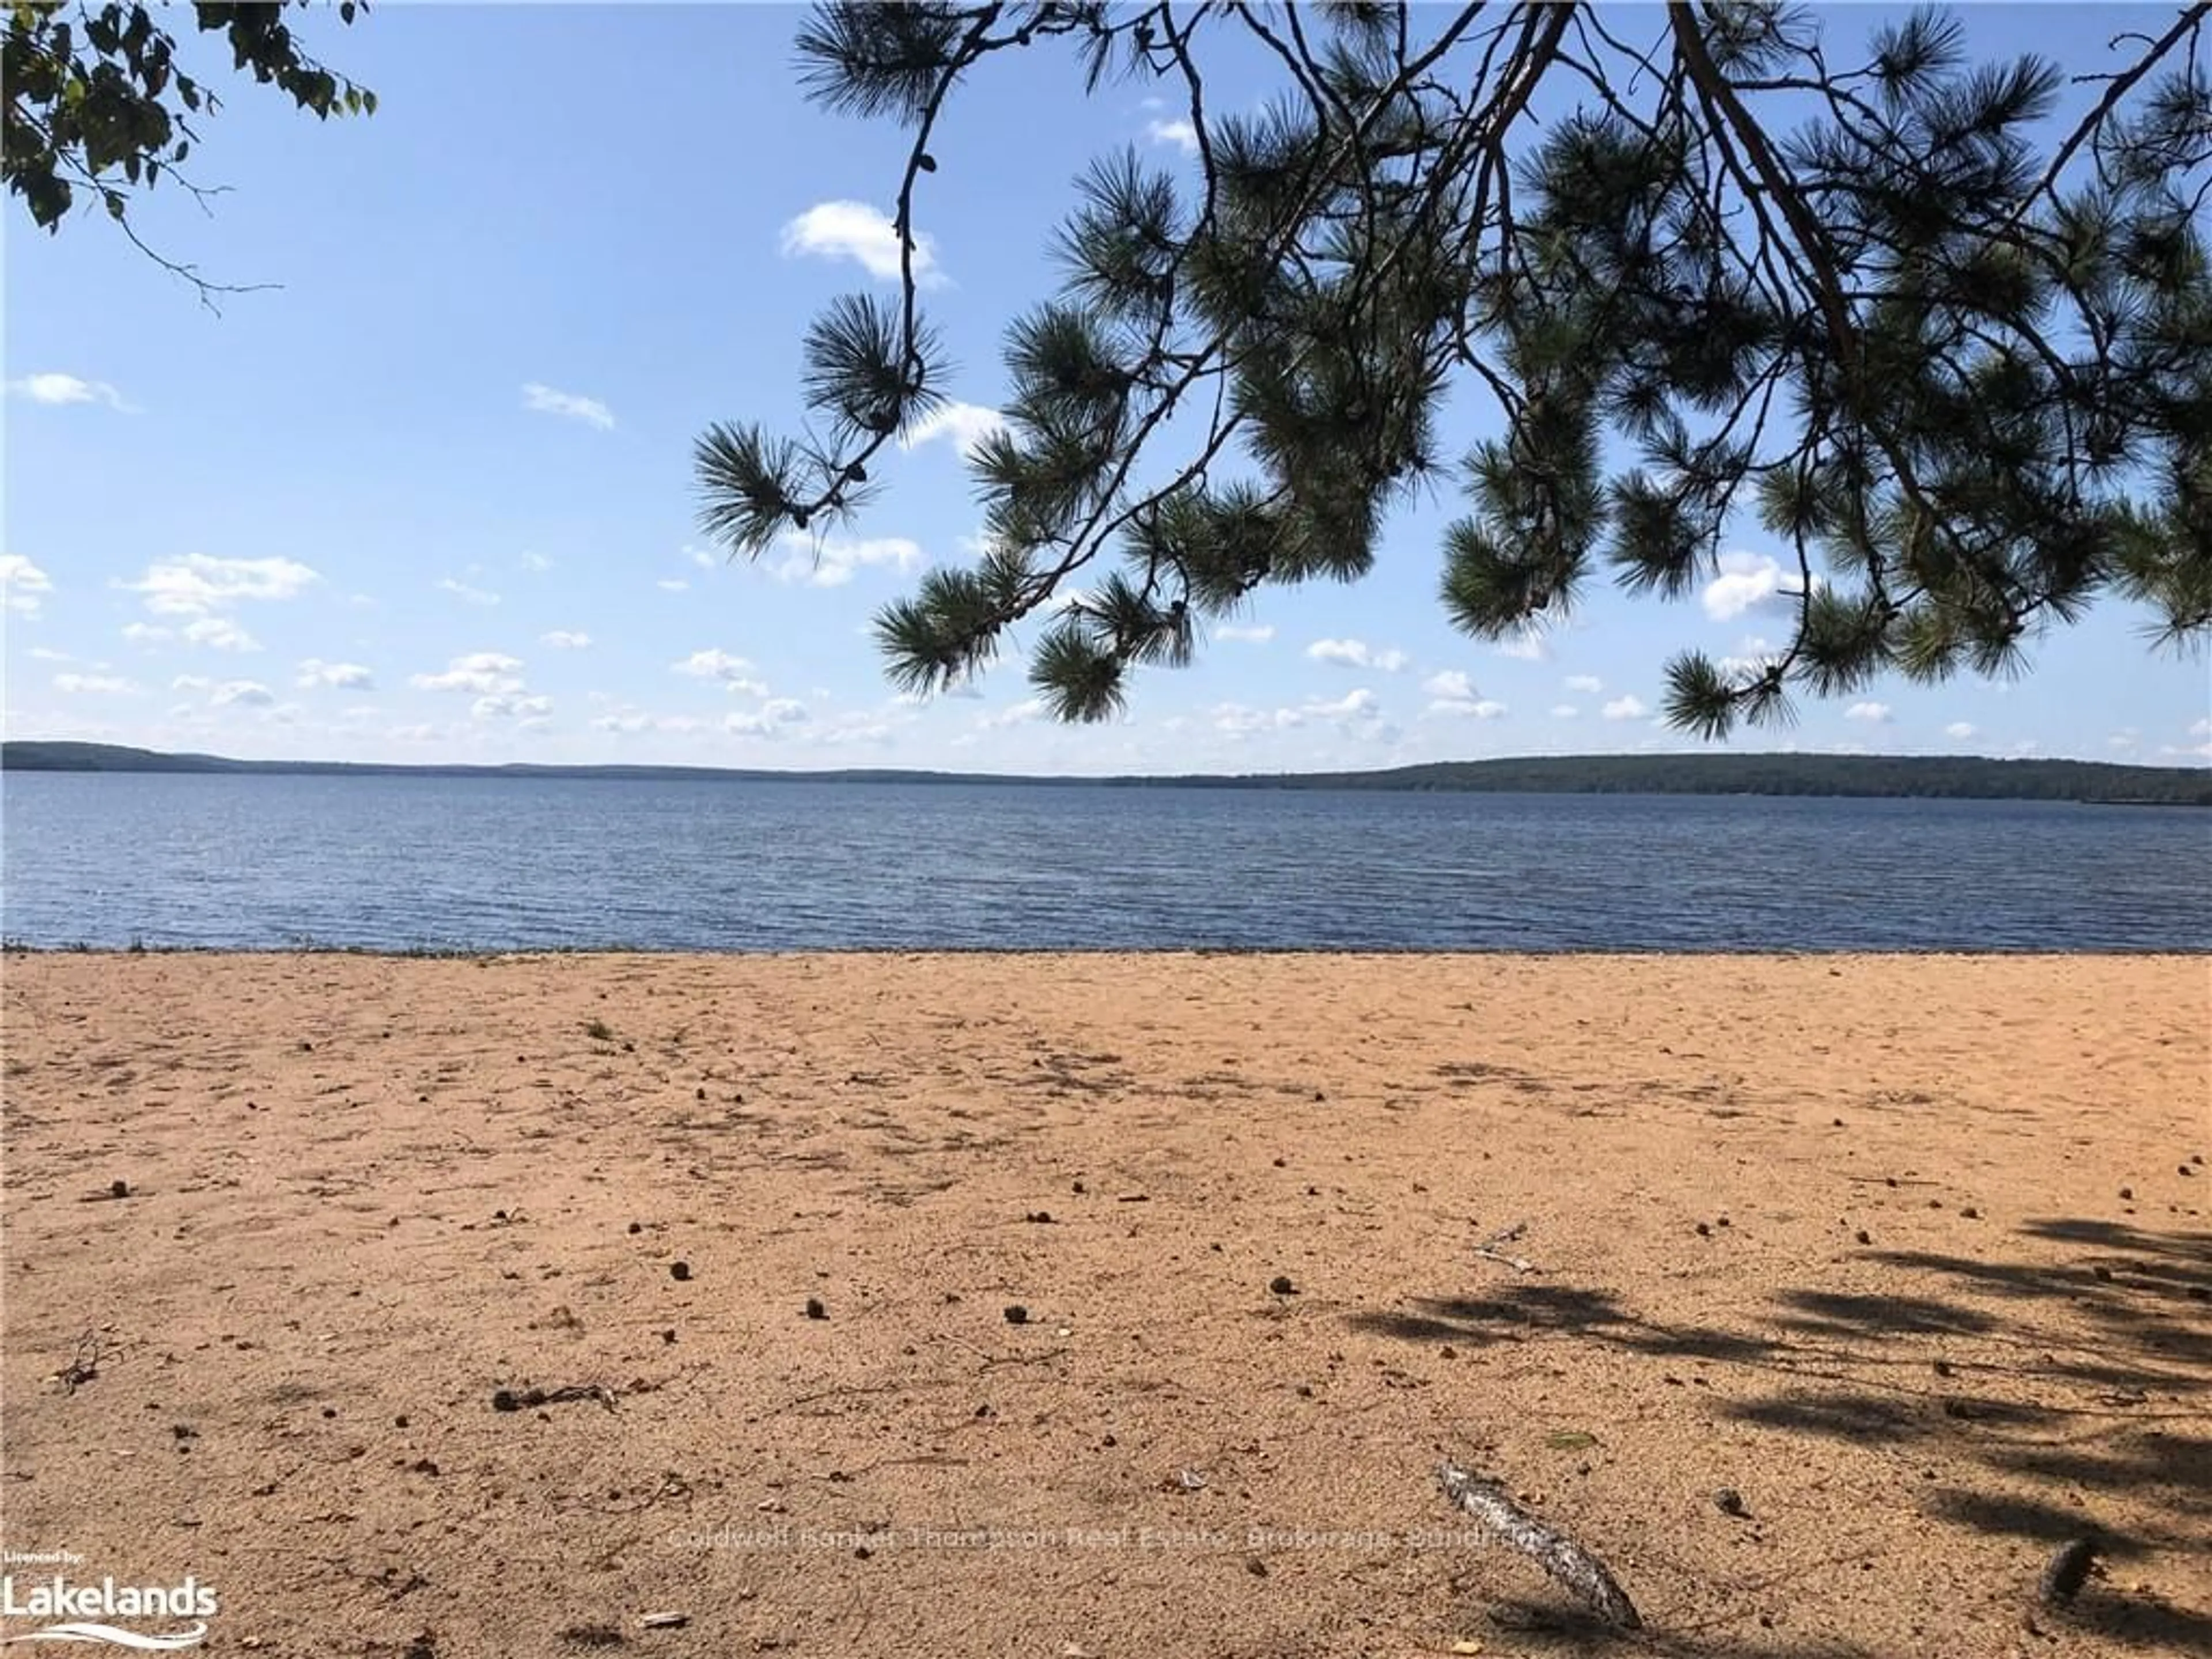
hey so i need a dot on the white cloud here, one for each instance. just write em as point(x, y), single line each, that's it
point(467, 595)
point(487, 673)
point(342, 675)
point(545, 400)
point(1020, 714)
point(967, 690)
point(1452, 684)
point(198, 583)
point(1749, 582)
point(2202, 729)
point(1236, 720)
point(565, 639)
point(1564, 711)
point(1961, 730)
point(144, 634)
point(1529, 644)
point(1752, 656)
point(1754, 645)
point(191, 683)
point(1625, 709)
point(855, 726)
point(1358, 705)
point(537, 563)
point(774, 716)
point(1876, 714)
point(1357, 654)
point(1179, 132)
point(1481, 708)
point(704, 559)
point(59, 389)
point(672, 585)
point(2026, 746)
point(1589, 685)
point(218, 634)
point(967, 424)
point(1253, 633)
point(831, 563)
point(855, 231)
point(501, 705)
point(630, 720)
point(94, 685)
point(23, 585)
point(733, 672)
point(1357, 711)
point(2125, 739)
point(1454, 694)
point(246, 693)
point(47, 654)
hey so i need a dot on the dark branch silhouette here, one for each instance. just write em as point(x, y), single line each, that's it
point(1951, 348)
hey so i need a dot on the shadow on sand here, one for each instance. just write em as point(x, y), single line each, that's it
point(2088, 1375)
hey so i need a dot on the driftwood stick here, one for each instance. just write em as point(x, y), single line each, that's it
point(1493, 1248)
point(1558, 1554)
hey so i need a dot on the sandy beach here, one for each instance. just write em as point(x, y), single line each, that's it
point(442, 1308)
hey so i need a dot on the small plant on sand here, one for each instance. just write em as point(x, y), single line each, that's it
point(600, 1031)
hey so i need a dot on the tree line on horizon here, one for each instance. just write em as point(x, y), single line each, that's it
point(1776, 773)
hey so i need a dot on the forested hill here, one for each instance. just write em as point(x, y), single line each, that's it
point(1664, 775)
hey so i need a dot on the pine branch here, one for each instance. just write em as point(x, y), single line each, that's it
point(1941, 379)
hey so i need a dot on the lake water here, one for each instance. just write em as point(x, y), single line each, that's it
point(398, 862)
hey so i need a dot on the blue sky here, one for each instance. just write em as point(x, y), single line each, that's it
point(430, 498)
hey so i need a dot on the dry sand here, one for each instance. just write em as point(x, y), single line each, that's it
point(1912, 1253)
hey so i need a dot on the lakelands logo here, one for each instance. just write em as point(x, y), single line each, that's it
point(83, 1612)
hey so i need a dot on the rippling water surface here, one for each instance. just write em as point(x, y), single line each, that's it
point(394, 863)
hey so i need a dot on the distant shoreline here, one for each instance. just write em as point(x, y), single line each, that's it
point(1852, 777)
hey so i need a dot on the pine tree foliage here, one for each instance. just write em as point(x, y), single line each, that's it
point(1942, 328)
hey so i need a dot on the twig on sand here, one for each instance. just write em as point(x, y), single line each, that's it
point(992, 1361)
point(1559, 1555)
point(84, 1364)
point(841, 1393)
point(1492, 1249)
point(513, 1399)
